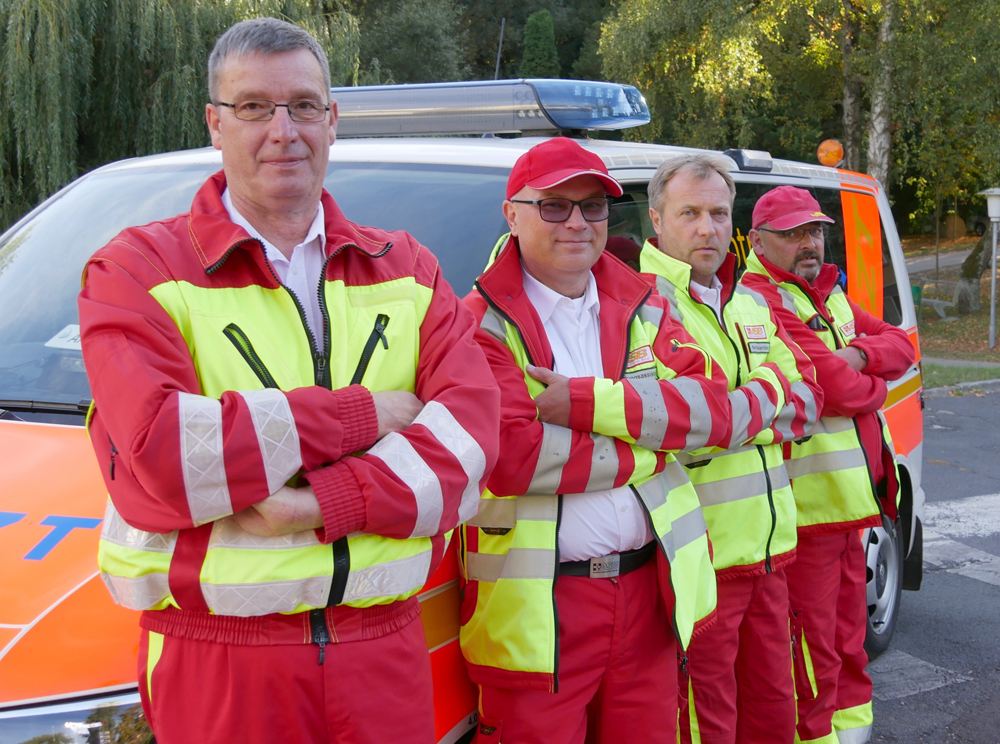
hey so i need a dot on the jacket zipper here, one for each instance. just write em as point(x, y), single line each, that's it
point(555, 606)
point(774, 514)
point(114, 451)
point(320, 632)
point(235, 334)
point(378, 332)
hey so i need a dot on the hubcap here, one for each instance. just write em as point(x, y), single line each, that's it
point(883, 576)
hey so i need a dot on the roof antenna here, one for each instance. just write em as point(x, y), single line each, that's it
point(503, 22)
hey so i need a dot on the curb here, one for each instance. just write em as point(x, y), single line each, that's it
point(987, 386)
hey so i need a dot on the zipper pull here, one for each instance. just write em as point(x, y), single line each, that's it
point(114, 451)
point(380, 323)
point(320, 635)
point(684, 666)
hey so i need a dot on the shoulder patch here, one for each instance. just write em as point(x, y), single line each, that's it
point(848, 328)
point(642, 355)
point(756, 332)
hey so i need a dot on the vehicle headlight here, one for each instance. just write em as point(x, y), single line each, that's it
point(95, 720)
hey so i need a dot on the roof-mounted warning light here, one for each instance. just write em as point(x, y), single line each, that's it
point(497, 106)
point(758, 161)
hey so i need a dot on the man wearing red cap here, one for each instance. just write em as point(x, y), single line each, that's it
point(843, 475)
point(588, 562)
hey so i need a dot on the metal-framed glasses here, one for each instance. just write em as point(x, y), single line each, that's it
point(594, 209)
point(797, 233)
point(260, 110)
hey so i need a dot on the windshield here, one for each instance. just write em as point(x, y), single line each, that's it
point(454, 211)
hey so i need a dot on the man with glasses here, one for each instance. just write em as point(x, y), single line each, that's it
point(292, 417)
point(588, 562)
point(736, 684)
point(844, 474)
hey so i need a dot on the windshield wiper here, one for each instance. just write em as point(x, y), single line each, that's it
point(45, 406)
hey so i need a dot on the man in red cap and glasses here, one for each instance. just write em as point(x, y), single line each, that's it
point(588, 563)
point(844, 474)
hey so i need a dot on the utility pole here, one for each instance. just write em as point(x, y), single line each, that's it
point(503, 23)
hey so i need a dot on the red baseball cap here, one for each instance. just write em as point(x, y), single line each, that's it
point(556, 161)
point(786, 207)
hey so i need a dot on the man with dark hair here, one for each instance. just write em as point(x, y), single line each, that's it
point(292, 417)
point(844, 474)
point(737, 682)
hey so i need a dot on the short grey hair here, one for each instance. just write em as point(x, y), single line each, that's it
point(262, 36)
point(701, 165)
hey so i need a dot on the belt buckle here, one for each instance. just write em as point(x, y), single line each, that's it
point(605, 567)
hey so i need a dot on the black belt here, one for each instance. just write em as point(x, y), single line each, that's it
point(607, 566)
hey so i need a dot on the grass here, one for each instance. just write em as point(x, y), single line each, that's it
point(923, 245)
point(966, 337)
point(936, 375)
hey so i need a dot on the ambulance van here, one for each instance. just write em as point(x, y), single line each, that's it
point(67, 652)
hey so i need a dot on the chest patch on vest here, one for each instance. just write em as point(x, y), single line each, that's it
point(759, 347)
point(755, 333)
point(848, 328)
point(640, 356)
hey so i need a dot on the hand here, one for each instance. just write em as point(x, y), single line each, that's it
point(286, 510)
point(553, 403)
point(396, 410)
point(855, 359)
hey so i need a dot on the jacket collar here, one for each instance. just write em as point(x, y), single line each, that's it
point(818, 291)
point(620, 292)
point(654, 261)
point(214, 236)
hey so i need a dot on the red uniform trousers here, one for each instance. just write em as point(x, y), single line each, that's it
point(366, 691)
point(826, 591)
point(737, 686)
point(617, 670)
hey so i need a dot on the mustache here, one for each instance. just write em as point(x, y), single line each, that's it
point(805, 255)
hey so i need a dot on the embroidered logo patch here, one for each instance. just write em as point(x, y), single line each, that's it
point(760, 347)
point(848, 328)
point(756, 332)
point(642, 355)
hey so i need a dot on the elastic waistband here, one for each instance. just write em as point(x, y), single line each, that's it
point(345, 624)
point(608, 566)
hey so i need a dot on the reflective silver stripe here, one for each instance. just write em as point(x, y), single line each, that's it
point(538, 508)
point(832, 425)
point(453, 436)
point(655, 418)
point(666, 289)
point(787, 300)
point(686, 458)
point(740, 412)
point(825, 462)
point(684, 531)
point(552, 456)
point(859, 735)
point(265, 598)
point(494, 325)
point(402, 459)
point(388, 579)
point(117, 531)
point(139, 593)
point(654, 492)
point(226, 533)
point(518, 563)
point(603, 464)
point(701, 417)
point(767, 408)
point(740, 487)
point(784, 419)
point(651, 315)
point(202, 463)
point(757, 297)
point(501, 513)
point(276, 434)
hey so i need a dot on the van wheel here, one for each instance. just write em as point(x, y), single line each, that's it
point(884, 559)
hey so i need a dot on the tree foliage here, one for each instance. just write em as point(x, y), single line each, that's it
point(540, 58)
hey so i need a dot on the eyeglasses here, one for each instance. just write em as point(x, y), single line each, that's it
point(797, 233)
point(595, 209)
point(256, 110)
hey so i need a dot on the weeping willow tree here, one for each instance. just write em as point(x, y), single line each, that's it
point(86, 82)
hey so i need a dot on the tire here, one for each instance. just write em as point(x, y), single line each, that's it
point(884, 589)
point(980, 229)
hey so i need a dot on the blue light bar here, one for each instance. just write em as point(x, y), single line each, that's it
point(498, 106)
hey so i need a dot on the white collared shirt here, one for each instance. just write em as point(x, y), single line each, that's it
point(711, 296)
point(600, 522)
point(301, 274)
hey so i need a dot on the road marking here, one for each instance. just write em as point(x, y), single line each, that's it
point(977, 516)
point(896, 675)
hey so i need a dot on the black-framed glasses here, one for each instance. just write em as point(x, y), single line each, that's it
point(797, 233)
point(260, 110)
point(594, 209)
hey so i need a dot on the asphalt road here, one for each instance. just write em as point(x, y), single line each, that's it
point(940, 679)
point(926, 263)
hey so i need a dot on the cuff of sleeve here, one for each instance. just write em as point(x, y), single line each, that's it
point(581, 403)
point(341, 501)
point(356, 412)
